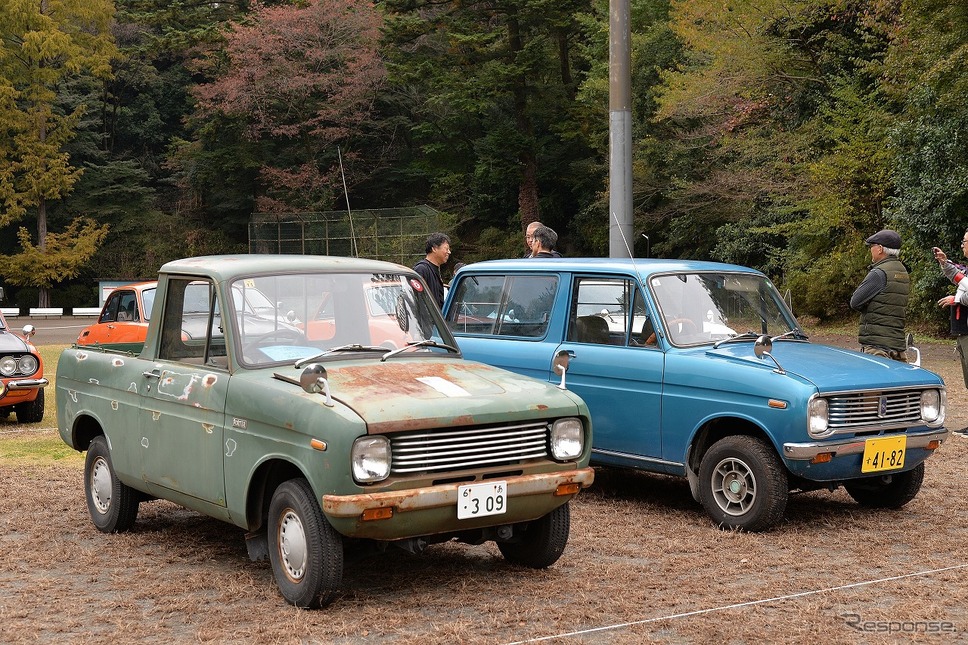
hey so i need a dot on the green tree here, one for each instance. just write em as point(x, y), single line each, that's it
point(42, 45)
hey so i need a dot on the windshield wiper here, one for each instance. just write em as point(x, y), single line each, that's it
point(746, 335)
point(420, 343)
point(352, 347)
point(796, 333)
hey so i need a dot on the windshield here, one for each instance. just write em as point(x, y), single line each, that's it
point(353, 312)
point(706, 307)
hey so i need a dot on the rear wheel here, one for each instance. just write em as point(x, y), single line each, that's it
point(32, 411)
point(742, 484)
point(305, 550)
point(887, 491)
point(539, 544)
point(113, 506)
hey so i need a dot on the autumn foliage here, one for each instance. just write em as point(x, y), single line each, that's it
point(301, 79)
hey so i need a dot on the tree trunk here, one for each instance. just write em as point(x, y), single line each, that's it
point(528, 208)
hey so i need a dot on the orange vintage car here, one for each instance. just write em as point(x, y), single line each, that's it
point(123, 322)
point(22, 379)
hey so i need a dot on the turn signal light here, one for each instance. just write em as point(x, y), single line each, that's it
point(567, 489)
point(378, 513)
point(823, 458)
point(934, 444)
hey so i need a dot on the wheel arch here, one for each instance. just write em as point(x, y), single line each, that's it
point(83, 431)
point(711, 431)
point(268, 476)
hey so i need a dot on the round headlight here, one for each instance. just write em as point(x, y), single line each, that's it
point(817, 423)
point(28, 364)
point(8, 365)
point(370, 458)
point(932, 406)
point(567, 439)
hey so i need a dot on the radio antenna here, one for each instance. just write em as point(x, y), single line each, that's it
point(346, 193)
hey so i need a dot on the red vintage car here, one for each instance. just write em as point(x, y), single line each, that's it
point(22, 379)
point(123, 322)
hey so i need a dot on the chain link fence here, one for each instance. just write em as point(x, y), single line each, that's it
point(392, 234)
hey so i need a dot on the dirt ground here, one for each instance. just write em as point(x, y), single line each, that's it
point(643, 564)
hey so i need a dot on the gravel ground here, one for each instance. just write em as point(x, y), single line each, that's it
point(643, 564)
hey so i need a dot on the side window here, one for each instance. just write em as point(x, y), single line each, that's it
point(600, 312)
point(128, 308)
point(516, 305)
point(110, 313)
point(191, 328)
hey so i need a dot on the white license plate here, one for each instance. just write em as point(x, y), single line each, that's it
point(479, 500)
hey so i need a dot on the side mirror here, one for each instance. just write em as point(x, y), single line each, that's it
point(560, 365)
point(313, 380)
point(29, 331)
point(909, 341)
point(763, 346)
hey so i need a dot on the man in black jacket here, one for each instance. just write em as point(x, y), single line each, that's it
point(437, 249)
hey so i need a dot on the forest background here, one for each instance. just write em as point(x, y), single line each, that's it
point(777, 134)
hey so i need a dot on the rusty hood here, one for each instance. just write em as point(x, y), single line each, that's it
point(401, 394)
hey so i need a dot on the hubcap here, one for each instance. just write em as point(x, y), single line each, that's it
point(734, 486)
point(292, 546)
point(101, 485)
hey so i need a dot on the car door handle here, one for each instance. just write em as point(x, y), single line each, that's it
point(151, 374)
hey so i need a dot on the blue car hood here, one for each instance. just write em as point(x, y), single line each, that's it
point(831, 369)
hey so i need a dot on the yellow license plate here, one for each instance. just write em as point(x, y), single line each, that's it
point(886, 453)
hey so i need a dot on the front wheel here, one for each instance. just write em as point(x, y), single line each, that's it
point(113, 505)
point(742, 484)
point(887, 491)
point(305, 550)
point(539, 544)
point(32, 411)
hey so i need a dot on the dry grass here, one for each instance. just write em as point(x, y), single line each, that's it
point(643, 564)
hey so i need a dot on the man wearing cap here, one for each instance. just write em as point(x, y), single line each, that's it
point(882, 299)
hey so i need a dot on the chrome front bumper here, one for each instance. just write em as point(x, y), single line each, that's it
point(855, 445)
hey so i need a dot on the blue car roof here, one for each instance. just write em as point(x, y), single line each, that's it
point(644, 267)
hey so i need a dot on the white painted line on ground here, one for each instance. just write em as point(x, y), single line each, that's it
point(750, 603)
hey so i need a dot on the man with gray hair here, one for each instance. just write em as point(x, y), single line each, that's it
point(543, 242)
point(882, 299)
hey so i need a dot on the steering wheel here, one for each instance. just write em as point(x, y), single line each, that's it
point(689, 325)
point(280, 335)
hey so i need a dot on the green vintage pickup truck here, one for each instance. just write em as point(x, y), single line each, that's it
point(343, 410)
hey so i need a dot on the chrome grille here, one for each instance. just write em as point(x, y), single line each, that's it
point(456, 449)
point(858, 410)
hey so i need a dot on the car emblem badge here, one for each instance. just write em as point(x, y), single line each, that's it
point(882, 407)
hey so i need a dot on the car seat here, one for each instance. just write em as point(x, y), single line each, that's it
point(592, 329)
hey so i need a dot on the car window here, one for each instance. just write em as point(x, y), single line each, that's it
point(600, 309)
point(191, 326)
point(148, 300)
point(110, 311)
point(516, 305)
point(128, 307)
point(707, 307)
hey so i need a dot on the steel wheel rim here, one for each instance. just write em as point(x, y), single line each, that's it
point(101, 485)
point(292, 546)
point(734, 486)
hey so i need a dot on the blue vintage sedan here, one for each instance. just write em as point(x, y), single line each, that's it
point(700, 369)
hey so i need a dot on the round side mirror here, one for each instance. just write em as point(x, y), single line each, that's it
point(29, 331)
point(310, 378)
point(763, 345)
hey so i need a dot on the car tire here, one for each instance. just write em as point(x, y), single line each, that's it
point(538, 544)
point(305, 550)
point(743, 484)
point(887, 491)
point(32, 411)
point(113, 505)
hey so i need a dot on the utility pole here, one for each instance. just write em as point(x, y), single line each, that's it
point(620, 240)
